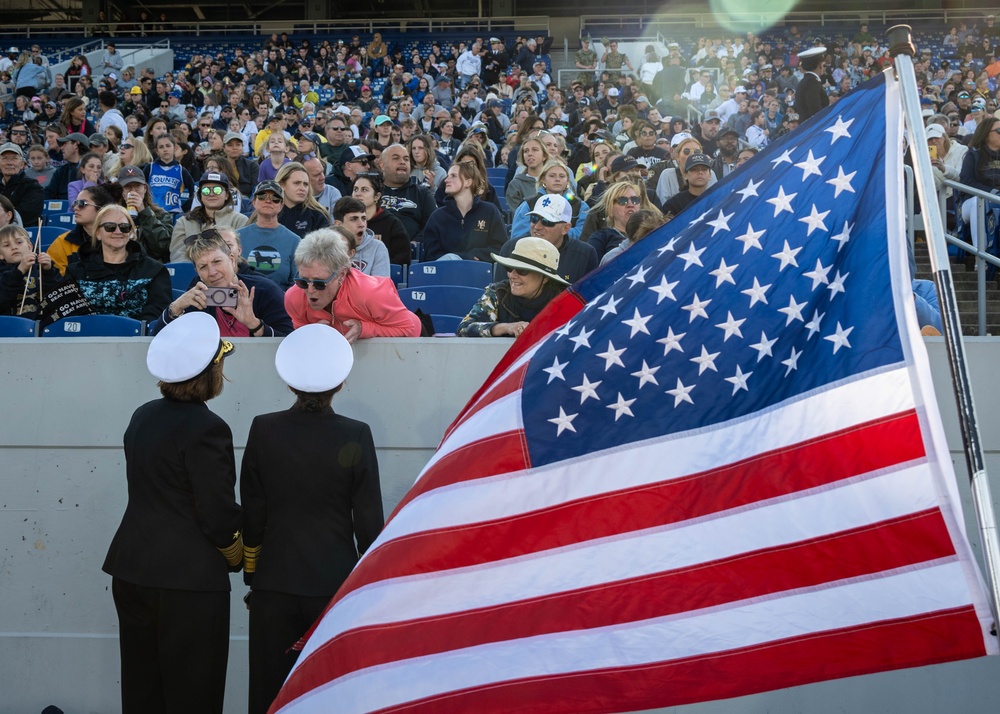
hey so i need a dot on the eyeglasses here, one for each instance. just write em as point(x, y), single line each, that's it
point(317, 284)
point(212, 190)
point(689, 151)
point(336, 128)
point(647, 133)
point(518, 271)
point(996, 131)
point(548, 224)
point(628, 200)
point(205, 126)
point(80, 203)
point(18, 132)
point(123, 227)
point(269, 199)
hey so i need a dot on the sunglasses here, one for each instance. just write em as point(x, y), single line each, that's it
point(123, 227)
point(628, 200)
point(317, 284)
point(518, 271)
point(80, 203)
point(212, 190)
point(647, 133)
point(207, 234)
point(544, 222)
point(18, 132)
point(205, 126)
point(269, 199)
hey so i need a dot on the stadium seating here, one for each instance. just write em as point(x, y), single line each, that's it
point(49, 234)
point(181, 275)
point(441, 299)
point(11, 326)
point(471, 273)
point(53, 206)
point(446, 324)
point(64, 221)
point(95, 326)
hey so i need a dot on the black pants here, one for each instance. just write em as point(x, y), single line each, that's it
point(277, 622)
point(174, 649)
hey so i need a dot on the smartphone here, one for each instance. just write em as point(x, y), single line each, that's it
point(221, 297)
point(933, 152)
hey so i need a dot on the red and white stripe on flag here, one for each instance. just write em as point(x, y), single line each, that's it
point(819, 539)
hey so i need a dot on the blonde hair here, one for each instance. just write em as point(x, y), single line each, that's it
point(287, 170)
point(101, 218)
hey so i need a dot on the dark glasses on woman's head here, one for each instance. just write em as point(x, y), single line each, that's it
point(207, 234)
point(110, 227)
point(212, 190)
point(628, 200)
point(544, 222)
point(317, 284)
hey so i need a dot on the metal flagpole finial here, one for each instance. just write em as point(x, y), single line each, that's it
point(900, 40)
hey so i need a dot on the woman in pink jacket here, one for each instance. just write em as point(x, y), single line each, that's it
point(328, 291)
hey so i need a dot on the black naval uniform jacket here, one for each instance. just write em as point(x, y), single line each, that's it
point(181, 528)
point(312, 501)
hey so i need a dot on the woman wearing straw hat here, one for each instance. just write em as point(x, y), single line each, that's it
point(532, 281)
point(310, 489)
point(180, 536)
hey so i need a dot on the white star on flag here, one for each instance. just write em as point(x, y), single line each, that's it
point(697, 308)
point(665, 289)
point(731, 327)
point(706, 360)
point(839, 338)
point(837, 284)
point(785, 158)
point(839, 129)
point(646, 374)
point(814, 220)
point(556, 370)
point(842, 182)
point(721, 222)
point(671, 341)
point(782, 202)
point(749, 190)
point(787, 256)
point(622, 406)
point(681, 393)
point(582, 339)
point(810, 166)
point(757, 293)
point(564, 421)
point(764, 347)
point(818, 274)
point(794, 310)
point(587, 389)
point(612, 356)
point(739, 380)
point(751, 239)
point(792, 363)
point(692, 256)
point(637, 323)
point(724, 273)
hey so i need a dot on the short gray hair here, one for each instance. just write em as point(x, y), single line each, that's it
point(324, 247)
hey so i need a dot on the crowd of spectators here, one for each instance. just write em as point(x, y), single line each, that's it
point(394, 147)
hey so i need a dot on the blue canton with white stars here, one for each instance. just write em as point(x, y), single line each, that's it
point(772, 285)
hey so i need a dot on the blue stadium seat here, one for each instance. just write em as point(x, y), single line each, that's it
point(55, 206)
point(49, 234)
point(95, 326)
point(495, 174)
point(441, 299)
point(471, 273)
point(63, 220)
point(11, 326)
point(181, 275)
point(446, 324)
point(396, 273)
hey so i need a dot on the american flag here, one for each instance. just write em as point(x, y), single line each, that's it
point(714, 468)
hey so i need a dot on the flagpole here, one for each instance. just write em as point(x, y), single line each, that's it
point(902, 50)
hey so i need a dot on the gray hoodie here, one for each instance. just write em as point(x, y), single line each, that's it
point(372, 257)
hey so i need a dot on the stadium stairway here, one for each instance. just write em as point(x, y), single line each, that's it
point(964, 275)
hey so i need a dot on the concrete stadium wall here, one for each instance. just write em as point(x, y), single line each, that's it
point(62, 493)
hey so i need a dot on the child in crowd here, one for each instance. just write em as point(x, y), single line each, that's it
point(40, 165)
point(17, 266)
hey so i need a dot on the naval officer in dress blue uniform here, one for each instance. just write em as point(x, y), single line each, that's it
point(310, 489)
point(180, 536)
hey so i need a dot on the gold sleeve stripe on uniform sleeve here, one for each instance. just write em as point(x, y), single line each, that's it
point(233, 553)
point(250, 558)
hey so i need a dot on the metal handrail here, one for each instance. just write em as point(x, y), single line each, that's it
point(526, 23)
point(978, 250)
point(766, 19)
